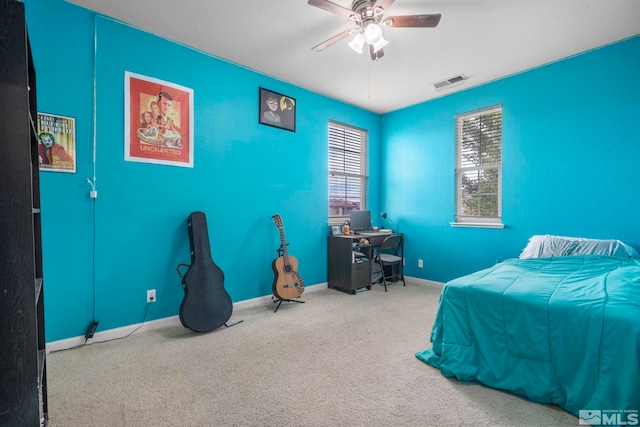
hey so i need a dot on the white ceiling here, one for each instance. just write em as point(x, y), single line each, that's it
point(485, 40)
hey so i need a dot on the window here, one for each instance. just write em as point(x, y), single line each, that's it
point(479, 168)
point(348, 170)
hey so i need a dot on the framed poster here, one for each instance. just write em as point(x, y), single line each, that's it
point(158, 121)
point(56, 143)
point(276, 109)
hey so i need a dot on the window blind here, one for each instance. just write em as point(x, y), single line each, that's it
point(479, 166)
point(348, 170)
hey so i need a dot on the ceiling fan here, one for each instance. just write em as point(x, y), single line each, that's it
point(368, 18)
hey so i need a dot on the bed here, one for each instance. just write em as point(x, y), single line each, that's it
point(560, 324)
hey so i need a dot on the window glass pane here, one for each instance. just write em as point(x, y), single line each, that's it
point(479, 205)
point(488, 181)
point(345, 191)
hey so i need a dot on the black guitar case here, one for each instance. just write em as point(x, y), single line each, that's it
point(206, 305)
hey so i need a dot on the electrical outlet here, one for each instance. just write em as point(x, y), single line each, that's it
point(151, 295)
point(420, 263)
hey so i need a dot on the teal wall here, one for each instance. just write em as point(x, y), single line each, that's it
point(570, 159)
point(571, 162)
point(243, 174)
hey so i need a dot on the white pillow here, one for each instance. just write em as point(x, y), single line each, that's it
point(545, 246)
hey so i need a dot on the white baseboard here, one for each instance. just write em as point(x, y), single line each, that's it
point(424, 282)
point(173, 321)
point(112, 334)
point(165, 322)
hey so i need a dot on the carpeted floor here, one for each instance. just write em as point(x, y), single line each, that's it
point(337, 360)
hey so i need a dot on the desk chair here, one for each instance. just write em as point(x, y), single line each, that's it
point(390, 255)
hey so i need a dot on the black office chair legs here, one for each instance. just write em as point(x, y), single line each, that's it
point(391, 255)
point(394, 276)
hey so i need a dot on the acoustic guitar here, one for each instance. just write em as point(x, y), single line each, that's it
point(287, 282)
point(206, 305)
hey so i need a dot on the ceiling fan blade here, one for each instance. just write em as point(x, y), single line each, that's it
point(332, 7)
point(412, 21)
point(325, 44)
point(375, 55)
point(384, 3)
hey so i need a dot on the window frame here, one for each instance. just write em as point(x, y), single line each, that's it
point(477, 221)
point(349, 164)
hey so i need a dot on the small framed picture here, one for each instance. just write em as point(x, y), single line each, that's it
point(336, 229)
point(277, 110)
point(56, 143)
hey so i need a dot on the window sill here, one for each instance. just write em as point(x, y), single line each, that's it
point(476, 225)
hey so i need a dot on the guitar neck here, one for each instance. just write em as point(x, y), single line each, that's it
point(283, 245)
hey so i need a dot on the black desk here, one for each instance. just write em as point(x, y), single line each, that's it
point(346, 269)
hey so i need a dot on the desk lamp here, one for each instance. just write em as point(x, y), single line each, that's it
point(384, 216)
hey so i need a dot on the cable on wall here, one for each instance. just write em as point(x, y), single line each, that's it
point(93, 193)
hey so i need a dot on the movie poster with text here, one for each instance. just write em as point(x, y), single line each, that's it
point(158, 121)
point(56, 143)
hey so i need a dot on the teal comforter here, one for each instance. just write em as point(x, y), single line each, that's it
point(562, 330)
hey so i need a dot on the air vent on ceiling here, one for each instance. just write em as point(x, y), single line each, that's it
point(450, 82)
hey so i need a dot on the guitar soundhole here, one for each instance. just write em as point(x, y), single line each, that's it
point(288, 269)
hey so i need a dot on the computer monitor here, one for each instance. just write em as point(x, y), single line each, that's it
point(360, 220)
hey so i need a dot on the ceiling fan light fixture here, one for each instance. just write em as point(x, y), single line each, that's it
point(372, 33)
point(368, 16)
point(357, 43)
point(379, 44)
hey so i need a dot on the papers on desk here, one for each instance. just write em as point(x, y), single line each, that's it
point(385, 230)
